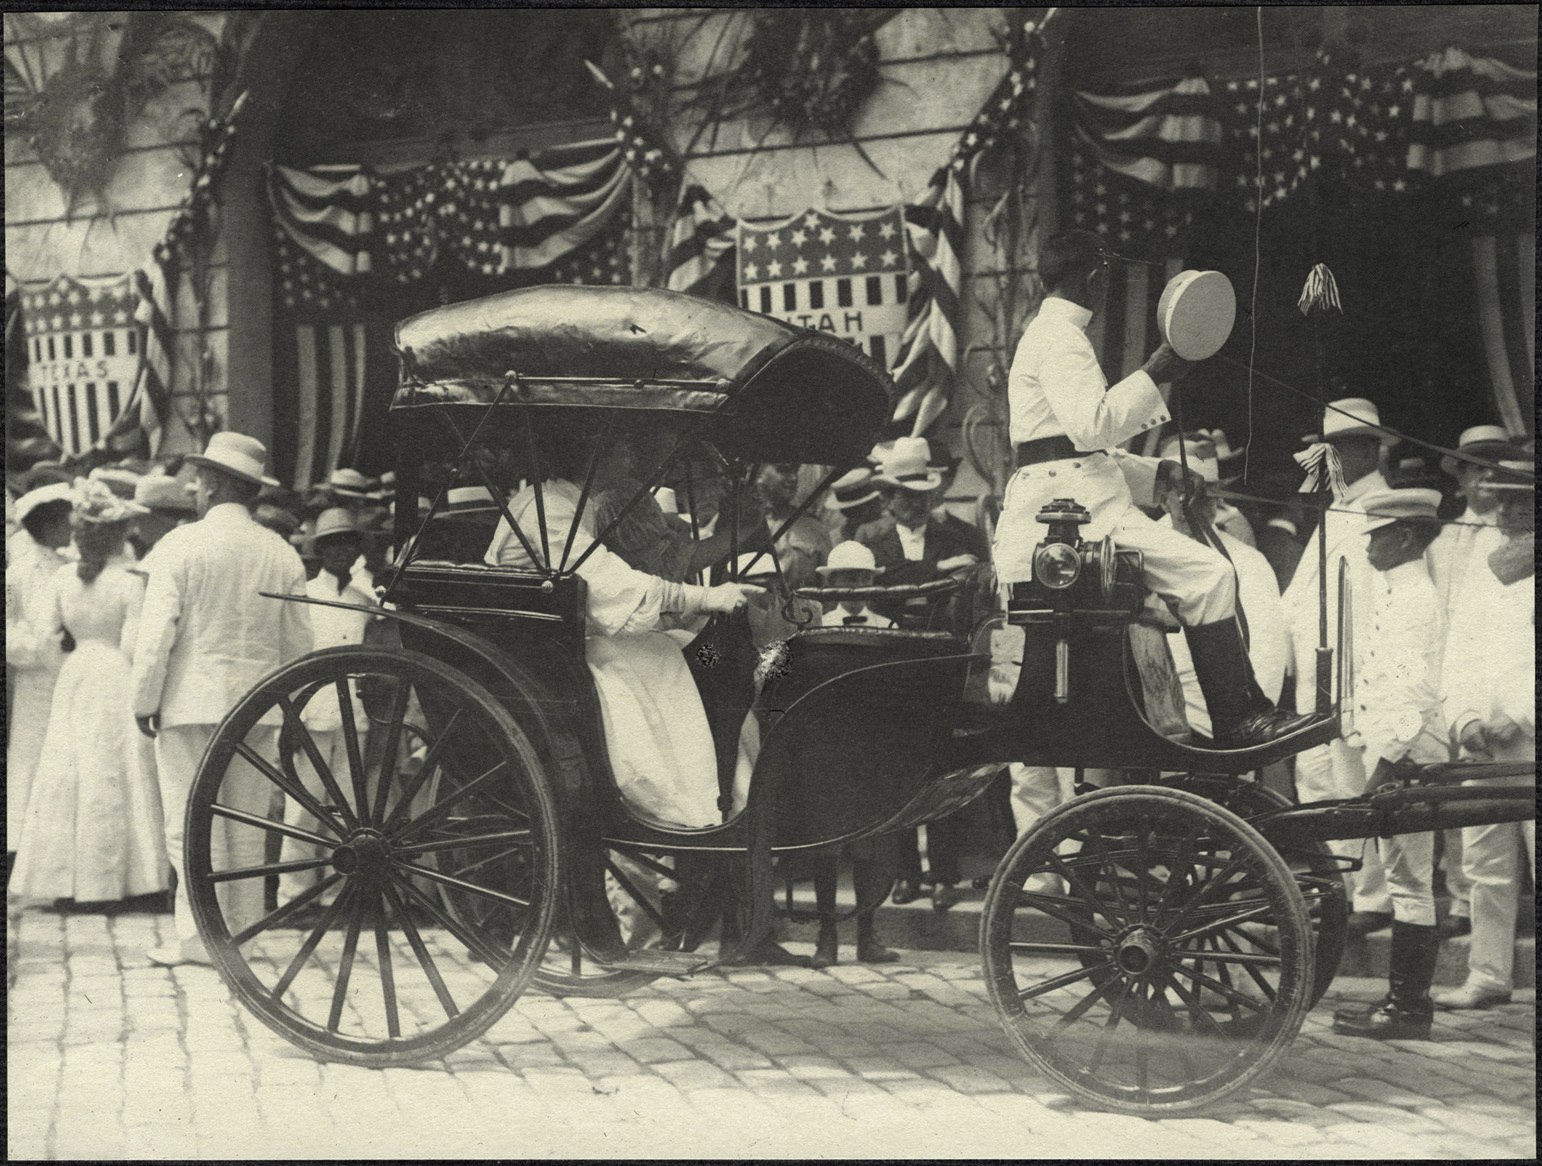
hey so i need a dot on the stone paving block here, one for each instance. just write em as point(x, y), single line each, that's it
point(1383, 1092)
point(776, 1042)
point(969, 1079)
point(919, 1055)
point(772, 1085)
point(662, 1013)
point(529, 1056)
point(1385, 1115)
point(808, 1067)
point(688, 1075)
point(652, 1050)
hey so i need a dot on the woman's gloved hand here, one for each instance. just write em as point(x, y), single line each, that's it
point(730, 597)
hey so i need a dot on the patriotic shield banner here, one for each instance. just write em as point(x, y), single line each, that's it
point(846, 275)
point(84, 357)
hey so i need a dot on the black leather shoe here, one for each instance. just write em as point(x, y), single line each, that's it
point(1453, 926)
point(1386, 1020)
point(773, 955)
point(944, 895)
point(1365, 922)
point(1261, 728)
point(873, 952)
point(905, 892)
point(826, 951)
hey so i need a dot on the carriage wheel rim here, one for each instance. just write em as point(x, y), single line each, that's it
point(1150, 956)
point(391, 929)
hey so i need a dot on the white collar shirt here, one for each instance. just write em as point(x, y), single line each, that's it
point(912, 541)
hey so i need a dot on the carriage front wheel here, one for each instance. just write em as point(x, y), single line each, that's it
point(388, 778)
point(1147, 950)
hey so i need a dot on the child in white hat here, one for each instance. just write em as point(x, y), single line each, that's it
point(851, 565)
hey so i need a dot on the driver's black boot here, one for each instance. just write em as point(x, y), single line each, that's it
point(1407, 1011)
point(1240, 715)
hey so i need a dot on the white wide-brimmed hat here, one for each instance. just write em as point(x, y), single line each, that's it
point(349, 483)
point(908, 466)
point(43, 496)
point(1513, 474)
point(850, 556)
point(1353, 417)
point(763, 565)
point(852, 489)
point(235, 454)
point(335, 520)
point(1384, 507)
point(1479, 441)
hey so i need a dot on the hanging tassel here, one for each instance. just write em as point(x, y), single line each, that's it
point(1321, 463)
point(1321, 291)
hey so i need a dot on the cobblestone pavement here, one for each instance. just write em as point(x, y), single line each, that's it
point(109, 1057)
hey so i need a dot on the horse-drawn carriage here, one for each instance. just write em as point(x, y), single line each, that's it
point(1152, 947)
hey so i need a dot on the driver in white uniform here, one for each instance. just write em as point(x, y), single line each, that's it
point(1065, 418)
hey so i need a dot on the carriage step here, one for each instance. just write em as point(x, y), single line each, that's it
point(663, 963)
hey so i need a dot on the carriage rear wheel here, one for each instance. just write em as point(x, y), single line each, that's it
point(1317, 870)
point(1163, 997)
point(363, 959)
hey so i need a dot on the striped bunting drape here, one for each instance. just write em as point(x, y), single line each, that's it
point(700, 259)
point(330, 371)
point(490, 217)
point(1470, 112)
point(1167, 138)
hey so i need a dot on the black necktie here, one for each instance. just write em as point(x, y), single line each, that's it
point(849, 620)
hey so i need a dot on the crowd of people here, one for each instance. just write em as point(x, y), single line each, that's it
point(131, 631)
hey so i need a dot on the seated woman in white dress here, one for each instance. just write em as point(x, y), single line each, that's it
point(656, 731)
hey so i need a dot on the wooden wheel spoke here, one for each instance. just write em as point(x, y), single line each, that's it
point(1080, 1008)
point(484, 951)
point(313, 754)
point(1196, 1010)
point(425, 771)
point(1055, 907)
point(1157, 994)
point(523, 835)
point(1115, 1015)
point(1207, 891)
point(293, 790)
point(1142, 873)
point(1179, 871)
point(312, 941)
point(271, 826)
point(1062, 980)
point(1225, 990)
point(351, 742)
point(345, 964)
point(420, 950)
point(1034, 947)
point(488, 860)
point(461, 884)
point(271, 868)
point(1142, 1052)
point(442, 808)
point(1250, 961)
point(1074, 881)
point(392, 743)
point(387, 971)
point(1210, 927)
point(278, 915)
point(1111, 866)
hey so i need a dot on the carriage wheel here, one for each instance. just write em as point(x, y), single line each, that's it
point(1317, 872)
point(1168, 1001)
point(362, 961)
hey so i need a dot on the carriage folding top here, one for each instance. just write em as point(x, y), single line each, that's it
point(771, 392)
point(1151, 947)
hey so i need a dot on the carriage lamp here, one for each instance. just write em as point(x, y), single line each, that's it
point(1056, 565)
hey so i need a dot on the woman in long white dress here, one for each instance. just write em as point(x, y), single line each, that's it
point(92, 830)
point(656, 731)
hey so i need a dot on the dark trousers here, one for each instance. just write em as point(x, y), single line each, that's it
point(944, 842)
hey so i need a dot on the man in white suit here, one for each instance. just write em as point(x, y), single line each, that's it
point(206, 637)
point(1352, 426)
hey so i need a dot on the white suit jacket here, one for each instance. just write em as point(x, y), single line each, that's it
point(1490, 657)
point(206, 636)
point(1055, 389)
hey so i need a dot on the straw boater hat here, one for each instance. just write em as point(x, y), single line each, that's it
point(465, 500)
point(1384, 507)
point(334, 521)
point(1353, 417)
point(908, 466)
point(1481, 441)
point(1515, 471)
point(852, 489)
point(163, 492)
point(764, 566)
point(850, 556)
point(237, 455)
point(350, 485)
